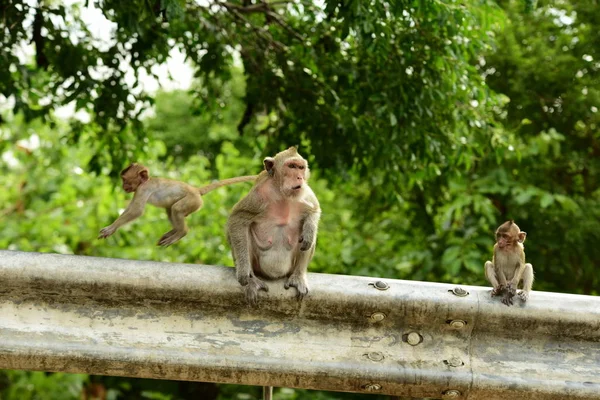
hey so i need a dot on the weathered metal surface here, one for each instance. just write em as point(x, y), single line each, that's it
point(189, 322)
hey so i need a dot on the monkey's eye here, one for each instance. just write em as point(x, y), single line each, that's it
point(293, 166)
point(301, 167)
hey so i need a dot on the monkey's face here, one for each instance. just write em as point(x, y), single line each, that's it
point(503, 239)
point(509, 237)
point(295, 175)
point(130, 185)
point(133, 178)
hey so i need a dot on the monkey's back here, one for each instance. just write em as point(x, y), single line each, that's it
point(170, 192)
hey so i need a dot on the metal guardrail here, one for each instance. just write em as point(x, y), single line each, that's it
point(355, 334)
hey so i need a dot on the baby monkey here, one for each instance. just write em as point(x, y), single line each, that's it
point(178, 198)
point(508, 266)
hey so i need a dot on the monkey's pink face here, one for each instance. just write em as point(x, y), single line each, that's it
point(294, 176)
point(505, 239)
point(510, 238)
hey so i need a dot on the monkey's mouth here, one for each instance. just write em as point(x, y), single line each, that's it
point(298, 187)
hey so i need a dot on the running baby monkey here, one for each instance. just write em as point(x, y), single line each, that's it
point(508, 265)
point(179, 199)
point(273, 230)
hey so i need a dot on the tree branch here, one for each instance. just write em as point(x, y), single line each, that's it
point(261, 7)
point(260, 32)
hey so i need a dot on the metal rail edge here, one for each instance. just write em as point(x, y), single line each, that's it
point(354, 334)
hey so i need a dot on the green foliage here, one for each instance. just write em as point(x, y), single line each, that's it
point(42, 385)
point(368, 73)
point(547, 64)
point(198, 130)
point(239, 392)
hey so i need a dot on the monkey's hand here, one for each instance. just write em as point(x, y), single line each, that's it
point(299, 282)
point(252, 288)
point(498, 290)
point(243, 278)
point(305, 242)
point(106, 232)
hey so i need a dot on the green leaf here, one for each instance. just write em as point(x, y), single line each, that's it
point(546, 200)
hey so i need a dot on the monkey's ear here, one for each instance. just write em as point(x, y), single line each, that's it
point(269, 163)
point(144, 175)
point(522, 237)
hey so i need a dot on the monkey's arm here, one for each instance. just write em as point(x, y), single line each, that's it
point(520, 268)
point(238, 231)
point(511, 288)
point(134, 210)
point(501, 276)
point(499, 269)
point(310, 224)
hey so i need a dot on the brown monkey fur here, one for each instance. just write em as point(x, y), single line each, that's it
point(273, 230)
point(178, 198)
point(508, 265)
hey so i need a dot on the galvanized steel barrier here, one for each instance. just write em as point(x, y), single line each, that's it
point(355, 334)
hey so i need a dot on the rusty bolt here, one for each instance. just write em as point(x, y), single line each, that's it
point(451, 394)
point(457, 324)
point(413, 338)
point(372, 387)
point(377, 317)
point(460, 292)
point(375, 356)
point(380, 285)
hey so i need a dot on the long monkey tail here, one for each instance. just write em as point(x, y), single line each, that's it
point(205, 189)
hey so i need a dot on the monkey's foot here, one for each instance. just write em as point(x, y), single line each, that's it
point(299, 283)
point(170, 237)
point(252, 288)
point(509, 295)
point(523, 295)
point(498, 290)
point(508, 300)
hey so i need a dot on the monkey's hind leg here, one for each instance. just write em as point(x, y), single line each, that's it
point(177, 214)
point(527, 282)
point(490, 274)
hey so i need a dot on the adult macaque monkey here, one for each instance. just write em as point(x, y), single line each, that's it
point(179, 198)
point(273, 230)
point(508, 266)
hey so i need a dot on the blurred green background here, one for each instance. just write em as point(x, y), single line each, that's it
point(426, 124)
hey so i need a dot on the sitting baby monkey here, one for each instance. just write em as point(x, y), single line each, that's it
point(179, 198)
point(508, 266)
